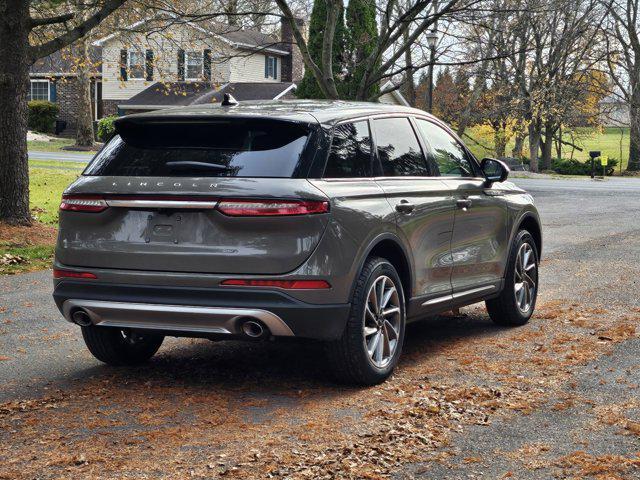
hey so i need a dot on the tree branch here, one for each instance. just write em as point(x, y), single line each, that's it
point(37, 22)
point(52, 46)
point(327, 46)
point(303, 47)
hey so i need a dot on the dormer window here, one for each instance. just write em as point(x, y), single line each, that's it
point(194, 65)
point(271, 67)
point(136, 64)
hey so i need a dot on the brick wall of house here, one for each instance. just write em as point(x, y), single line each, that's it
point(68, 100)
point(110, 107)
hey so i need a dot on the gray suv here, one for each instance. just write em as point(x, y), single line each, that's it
point(333, 221)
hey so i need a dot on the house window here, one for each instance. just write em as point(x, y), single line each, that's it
point(136, 64)
point(194, 63)
point(39, 90)
point(270, 67)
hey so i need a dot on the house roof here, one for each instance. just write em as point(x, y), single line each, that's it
point(64, 62)
point(234, 36)
point(177, 94)
point(395, 93)
point(247, 38)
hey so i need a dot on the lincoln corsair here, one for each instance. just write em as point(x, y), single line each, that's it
point(334, 221)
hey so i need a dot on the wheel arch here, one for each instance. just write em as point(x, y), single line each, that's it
point(390, 248)
point(531, 223)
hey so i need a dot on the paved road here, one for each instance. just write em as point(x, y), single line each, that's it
point(555, 399)
point(73, 157)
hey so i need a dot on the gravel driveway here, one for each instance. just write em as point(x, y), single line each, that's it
point(557, 398)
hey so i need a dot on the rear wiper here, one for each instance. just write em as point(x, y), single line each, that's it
point(187, 164)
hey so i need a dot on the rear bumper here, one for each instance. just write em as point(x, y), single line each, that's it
point(199, 311)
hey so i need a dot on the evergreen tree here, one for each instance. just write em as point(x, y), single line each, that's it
point(461, 81)
point(361, 42)
point(308, 87)
point(446, 101)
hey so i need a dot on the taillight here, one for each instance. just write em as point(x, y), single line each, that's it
point(257, 208)
point(83, 203)
point(285, 284)
point(57, 273)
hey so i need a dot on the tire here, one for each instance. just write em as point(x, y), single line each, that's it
point(349, 357)
point(513, 307)
point(120, 347)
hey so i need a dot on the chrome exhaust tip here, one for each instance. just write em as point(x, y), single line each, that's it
point(253, 329)
point(82, 318)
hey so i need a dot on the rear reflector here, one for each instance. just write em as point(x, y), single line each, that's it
point(285, 284)
point(69, 274)
point(258, 208)
point(83, 203)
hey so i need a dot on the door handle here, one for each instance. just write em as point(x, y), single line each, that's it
point(464, 203)
point(405, 207)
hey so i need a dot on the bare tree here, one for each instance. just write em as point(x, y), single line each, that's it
point(386, 60)
point(538, 60)
point(18, 26)
point(624, 66)
point(564, 57)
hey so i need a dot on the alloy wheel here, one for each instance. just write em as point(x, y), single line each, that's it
point(526, 277)
point(382, 316)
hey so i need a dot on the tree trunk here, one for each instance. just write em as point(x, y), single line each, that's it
point(518, 146)
point(547, 146)
point(14, 81)
point(559, 144)
point(534, 144)
point(333, 8)
point(84, 131)
point(634, 132)
point(499, 141)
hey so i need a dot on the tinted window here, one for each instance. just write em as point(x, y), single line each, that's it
point(211, 149)
point(350, 154)
point(398, 148)
point(448, 153)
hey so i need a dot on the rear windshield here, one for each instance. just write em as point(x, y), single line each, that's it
point(226, 148)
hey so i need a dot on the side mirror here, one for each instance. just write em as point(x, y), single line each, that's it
point(494, 170)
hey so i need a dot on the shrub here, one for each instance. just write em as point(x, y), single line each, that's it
point(42, 115)
point(576, 167)
point(106, 128)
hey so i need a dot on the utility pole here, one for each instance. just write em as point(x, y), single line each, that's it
point(432, 38)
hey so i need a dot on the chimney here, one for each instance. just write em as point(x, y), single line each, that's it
point(292, 68)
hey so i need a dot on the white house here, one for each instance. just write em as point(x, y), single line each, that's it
point(164, 62)
point(182, 53)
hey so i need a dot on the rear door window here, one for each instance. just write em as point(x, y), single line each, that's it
point(398, 148)
point(350, 154)
point(225, 148)
point(449, 155)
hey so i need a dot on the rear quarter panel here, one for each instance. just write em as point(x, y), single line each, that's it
point(360, 213)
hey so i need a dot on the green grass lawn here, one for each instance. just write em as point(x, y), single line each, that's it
point(32, 257)
point(607, 141)
point(46, 187)
point(52, 146)
point(24, 249)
